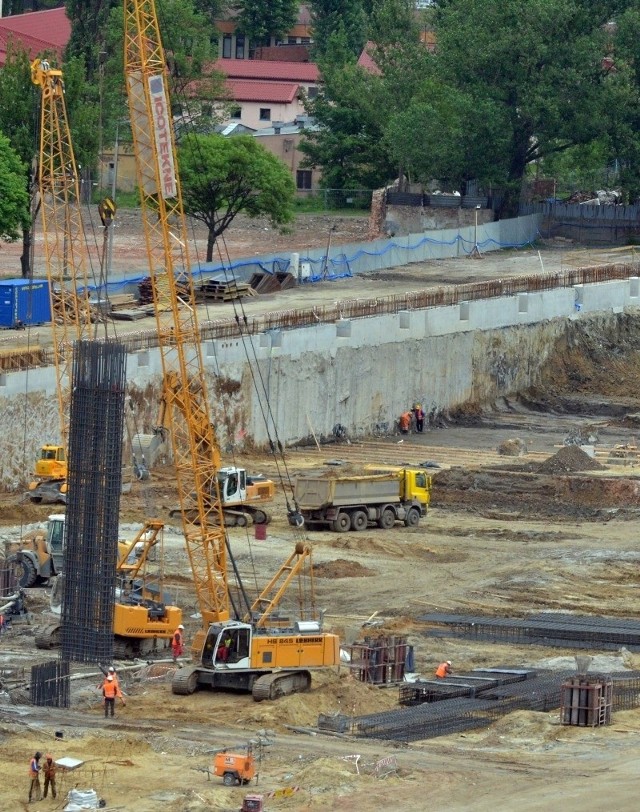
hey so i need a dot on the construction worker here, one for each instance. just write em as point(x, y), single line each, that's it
point(34, 775)
point(418, 413)
point(111, 690)
point(405, 422)
point(177, 643)
point(112, 671)
point(49, 770)
point(443, 670)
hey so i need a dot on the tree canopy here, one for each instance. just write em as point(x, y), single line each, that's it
point(330, 17)
point(14, 197)
point(510, 84)
point(222, 177)
point(260, 20)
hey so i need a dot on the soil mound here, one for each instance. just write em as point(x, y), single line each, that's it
point(341, 568)
point(570, 458)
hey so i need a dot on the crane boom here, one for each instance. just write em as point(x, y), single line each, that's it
point(65, 250)
point(195, 446)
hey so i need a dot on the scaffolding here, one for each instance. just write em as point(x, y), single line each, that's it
point(49, 684)
point(93, 505)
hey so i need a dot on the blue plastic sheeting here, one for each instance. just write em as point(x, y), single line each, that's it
point(362, 258)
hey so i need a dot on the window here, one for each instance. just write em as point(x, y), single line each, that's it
point(312, 91)
point(303, 179)
point(305, 40)
point(292, 41)
point(226, 46)
point(236, 113)
point(239, 46)
point(265, 114)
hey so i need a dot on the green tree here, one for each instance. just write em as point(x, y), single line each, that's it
point(14, 197)
point(89, 25)
point(354, 106)
point(537, 67)
point(222, 177)
point(330, 17)
point(260, 20)
point(19, 121)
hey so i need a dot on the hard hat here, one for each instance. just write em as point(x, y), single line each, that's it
point(448, 662)
point(181, 626)
point(38, 755)
point(110, 678)
point(112, 669)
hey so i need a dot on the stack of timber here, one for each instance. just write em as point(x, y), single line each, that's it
point(263, 282)
point(66, 300)
point(214, 290)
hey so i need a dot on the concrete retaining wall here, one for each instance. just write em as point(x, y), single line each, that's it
point(360, 374)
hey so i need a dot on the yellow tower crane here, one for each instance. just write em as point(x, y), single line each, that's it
point(263, 653)
point(66, 265)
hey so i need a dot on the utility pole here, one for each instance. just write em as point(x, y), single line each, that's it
point(475, 253)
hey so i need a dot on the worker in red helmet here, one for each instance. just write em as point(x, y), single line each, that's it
point(443, 670)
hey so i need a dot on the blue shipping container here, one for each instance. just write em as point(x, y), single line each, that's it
point(24, 301)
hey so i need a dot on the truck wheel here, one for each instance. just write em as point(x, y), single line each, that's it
point(412, 519)
point(359, 520)
point(342, 523)
point(387, 520)
point(229, 779)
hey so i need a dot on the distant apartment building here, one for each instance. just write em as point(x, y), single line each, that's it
point(233, 44)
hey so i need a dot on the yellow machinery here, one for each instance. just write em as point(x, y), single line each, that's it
point(143, 618)
point(66, 262)
point(268, 655)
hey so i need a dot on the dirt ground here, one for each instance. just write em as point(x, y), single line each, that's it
point(506, 535)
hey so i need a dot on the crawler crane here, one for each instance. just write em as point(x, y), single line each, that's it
point(65, 260)
point(265, 654)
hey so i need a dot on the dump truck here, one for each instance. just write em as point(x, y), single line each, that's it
point(356, 502)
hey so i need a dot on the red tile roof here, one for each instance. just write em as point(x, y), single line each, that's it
point(37, 31)
point(366, 60)
point(268, 71)
point(274, 92)
point(51, 26)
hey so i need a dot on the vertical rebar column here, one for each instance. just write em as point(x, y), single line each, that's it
point(93, 503)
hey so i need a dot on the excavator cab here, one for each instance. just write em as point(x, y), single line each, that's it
point(52, 463)
point(55, 539)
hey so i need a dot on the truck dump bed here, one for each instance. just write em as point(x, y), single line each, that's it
point(314, 493)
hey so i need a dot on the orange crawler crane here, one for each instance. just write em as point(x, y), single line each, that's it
point(265, 652)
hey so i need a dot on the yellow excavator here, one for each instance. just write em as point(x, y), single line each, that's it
point(144, 618)
point(265, 650)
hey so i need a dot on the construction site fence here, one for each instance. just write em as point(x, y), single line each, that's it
point(340, 261)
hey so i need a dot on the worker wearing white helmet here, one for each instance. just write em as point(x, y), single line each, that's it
point(443, 670)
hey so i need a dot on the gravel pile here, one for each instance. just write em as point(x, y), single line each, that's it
point(570, 458)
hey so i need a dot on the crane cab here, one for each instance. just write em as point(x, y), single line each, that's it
point(237, 487)
point(227, 646)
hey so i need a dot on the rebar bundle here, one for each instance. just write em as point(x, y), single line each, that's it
point(93, 503)
point(49, 684)
point(546, 629)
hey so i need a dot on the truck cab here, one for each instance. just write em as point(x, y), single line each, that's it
point(416, 487)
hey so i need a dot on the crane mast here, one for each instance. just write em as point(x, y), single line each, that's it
point(64, 247)
point(195, 447)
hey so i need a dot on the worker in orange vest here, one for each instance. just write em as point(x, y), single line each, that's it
point(177, 643)
point(34, 775)
point(443, 670)
point(405, 422)
point(111, 690)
